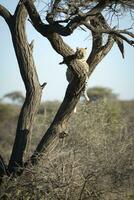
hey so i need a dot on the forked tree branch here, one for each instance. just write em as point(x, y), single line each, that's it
point(99, 51)
point(118, 33)
point(55, 26)
point(73, 91)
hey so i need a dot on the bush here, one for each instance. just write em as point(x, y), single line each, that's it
point(94, 161)
point(8, 120)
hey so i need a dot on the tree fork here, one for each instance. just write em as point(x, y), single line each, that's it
point(74, 89)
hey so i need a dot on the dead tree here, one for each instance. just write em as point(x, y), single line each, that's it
point(62, 19)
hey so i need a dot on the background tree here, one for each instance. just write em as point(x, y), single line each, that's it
point(16, 96)
point(96, 93)
point(62, 18)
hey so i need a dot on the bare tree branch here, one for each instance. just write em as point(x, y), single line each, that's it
point(55, 6)
point(5, 14)
point(99, 51)
point(54, 25)
point(129, 3)
point(118, 33)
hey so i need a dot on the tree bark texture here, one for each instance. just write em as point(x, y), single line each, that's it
point(27, 68)
point(74, 89)
point(76, 86)
point(72, 95)
point(33, 89)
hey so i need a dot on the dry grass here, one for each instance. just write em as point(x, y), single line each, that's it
point(95, 161)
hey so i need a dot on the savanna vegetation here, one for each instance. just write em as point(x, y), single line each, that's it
point(94, 161)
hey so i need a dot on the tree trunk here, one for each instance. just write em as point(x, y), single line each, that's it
point(74, 89)
point(33, 89)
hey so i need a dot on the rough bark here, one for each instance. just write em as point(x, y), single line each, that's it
point(33, 88)
point(55, 26)
point(73, 93)
point(99, 51)
point(25, 60)
point(74, 88)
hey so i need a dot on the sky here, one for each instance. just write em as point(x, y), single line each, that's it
point(113, 72)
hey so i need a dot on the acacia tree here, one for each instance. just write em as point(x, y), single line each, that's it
point(15, 96)
point(62, 18)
